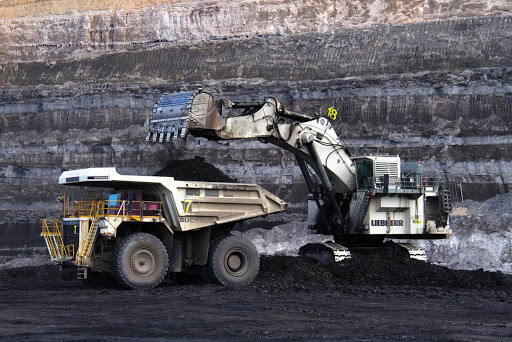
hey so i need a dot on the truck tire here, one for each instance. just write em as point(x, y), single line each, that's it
point(140, 261)
point(233, 261)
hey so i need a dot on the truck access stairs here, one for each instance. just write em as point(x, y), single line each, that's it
point(86, 244)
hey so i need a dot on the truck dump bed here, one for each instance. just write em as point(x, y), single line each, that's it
point(186, 205)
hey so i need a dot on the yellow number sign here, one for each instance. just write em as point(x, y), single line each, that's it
point(332, 113)
point(187, 205)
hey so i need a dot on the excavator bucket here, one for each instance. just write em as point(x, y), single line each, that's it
point(174, 115)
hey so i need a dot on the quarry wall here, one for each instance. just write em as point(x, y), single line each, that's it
point(41, 30)
point(428, 80)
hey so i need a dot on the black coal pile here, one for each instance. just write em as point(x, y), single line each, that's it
point(196, 169)
point(297, 274)
point(38, 277)
point(283, 273)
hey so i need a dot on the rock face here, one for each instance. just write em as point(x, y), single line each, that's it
point(428, 80)
point(482, 237)
point(285, 239)
point(46, 30)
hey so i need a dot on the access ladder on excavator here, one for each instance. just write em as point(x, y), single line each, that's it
point(363, 202)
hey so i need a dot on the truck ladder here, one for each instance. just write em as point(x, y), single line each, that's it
point(87, 244)
point(81, 272)
point(52, 233)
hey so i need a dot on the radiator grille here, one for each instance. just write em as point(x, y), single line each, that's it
point(390, 168)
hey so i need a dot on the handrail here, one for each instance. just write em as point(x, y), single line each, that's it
point(407, 183)
point(115, 208)
point(121, 208)
point(96, 208)
point(54, 242)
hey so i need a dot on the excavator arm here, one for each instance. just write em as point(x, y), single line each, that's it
point(310, 138)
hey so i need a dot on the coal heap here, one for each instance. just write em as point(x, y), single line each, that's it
point(196, 169)
point(284, 273)
point(37, 277)
point(296, 274)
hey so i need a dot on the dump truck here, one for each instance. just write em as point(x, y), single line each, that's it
point(152, 226)
point(149, 226)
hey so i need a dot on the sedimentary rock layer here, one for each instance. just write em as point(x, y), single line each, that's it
point(45, 30)
point(451, 45)
point(428, 80)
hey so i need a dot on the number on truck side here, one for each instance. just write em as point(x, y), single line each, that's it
point(187, 205)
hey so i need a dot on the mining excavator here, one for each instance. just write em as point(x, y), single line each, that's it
point(361, 201)
point(140, 229)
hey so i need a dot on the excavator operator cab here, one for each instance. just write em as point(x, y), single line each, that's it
point(364, 175)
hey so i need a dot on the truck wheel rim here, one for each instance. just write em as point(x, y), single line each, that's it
point(236, 262)
point(143, 262)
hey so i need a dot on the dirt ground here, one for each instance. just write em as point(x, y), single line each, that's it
point(292, 299)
